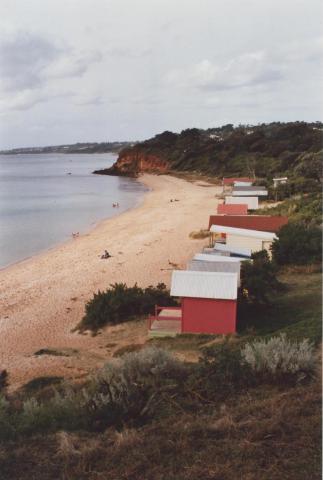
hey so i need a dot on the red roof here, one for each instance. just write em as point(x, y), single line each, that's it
point(263, 223)
point(230, 181)
point(233, 209)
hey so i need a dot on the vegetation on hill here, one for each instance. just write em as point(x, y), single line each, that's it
point(291, 149)
point(306, 209)
point(89, 147)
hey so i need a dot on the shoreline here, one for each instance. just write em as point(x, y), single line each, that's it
point(87, 231)
point(43, 297)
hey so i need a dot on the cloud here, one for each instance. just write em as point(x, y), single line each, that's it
point(30, 66)
point(245, 70)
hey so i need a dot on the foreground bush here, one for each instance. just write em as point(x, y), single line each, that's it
point(125, 391)
point(298, 244)
point(129, 389)
point(279, 357)
point(120, 303)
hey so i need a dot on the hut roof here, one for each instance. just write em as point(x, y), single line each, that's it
point(216, 285)
point(230, 181)
point(265, 223)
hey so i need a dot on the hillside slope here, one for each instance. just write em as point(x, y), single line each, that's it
point(262, 151)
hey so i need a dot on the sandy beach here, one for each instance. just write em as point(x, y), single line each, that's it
point(43, 298)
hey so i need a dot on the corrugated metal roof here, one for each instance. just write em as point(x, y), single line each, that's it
point(252, 202)
point(201, 266)
point(232, 249)
point(213, 257)
point(217, 285)
point(252, 193)
point(243, 232)
point(234, 209)
point(264, 223)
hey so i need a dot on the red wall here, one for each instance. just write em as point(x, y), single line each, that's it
point(205, 315)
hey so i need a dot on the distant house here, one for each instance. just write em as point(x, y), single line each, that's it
point(252, 202)
point(241, 238)
point(249, 192)
point(235, 209)
point(208, 304)
point(265, 223)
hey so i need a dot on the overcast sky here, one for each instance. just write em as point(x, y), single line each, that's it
point(105, 70)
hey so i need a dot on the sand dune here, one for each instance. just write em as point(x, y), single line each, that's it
point(43, 298)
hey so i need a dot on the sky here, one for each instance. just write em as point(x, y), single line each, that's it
point(111, 70)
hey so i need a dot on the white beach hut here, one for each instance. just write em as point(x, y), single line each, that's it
point(252, 202)
point(242, 238)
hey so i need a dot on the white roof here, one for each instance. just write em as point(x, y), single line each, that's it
point(281, 178)
point(210, 257)
point(221, 247)
point(243, 232)
point(187, 283)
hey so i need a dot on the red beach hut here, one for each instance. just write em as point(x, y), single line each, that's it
point(208, 304)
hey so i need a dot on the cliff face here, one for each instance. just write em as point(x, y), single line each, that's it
point(133, 161)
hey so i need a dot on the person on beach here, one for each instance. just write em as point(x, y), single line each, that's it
point(106, 254)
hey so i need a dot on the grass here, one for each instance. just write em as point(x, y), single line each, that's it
point(200, 234)
point(270, 434)
point(298, 311)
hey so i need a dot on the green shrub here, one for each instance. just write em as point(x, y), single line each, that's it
point(279, 357)
point(3, 379)
point(298, 244)
point(259, 283)
point(121, 303)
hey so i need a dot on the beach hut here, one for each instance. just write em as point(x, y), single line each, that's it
point(265, 223)
point(249, 192)
point(217, 266)
point(252, 202)
point(231, 181)
point(234, 209)
point(241, 238)
point(232, 250)
point(242, 184)
point(208, 304)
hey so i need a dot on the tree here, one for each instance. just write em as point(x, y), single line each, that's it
point(258, 279)
point(298, 244)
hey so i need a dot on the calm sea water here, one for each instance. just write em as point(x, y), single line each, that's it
point(46, 197)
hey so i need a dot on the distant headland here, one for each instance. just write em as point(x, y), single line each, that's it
point(89, 147)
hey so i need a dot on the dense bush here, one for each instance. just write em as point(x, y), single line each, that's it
point(259, 283)
point(298, 244)
point(279, 357)
point(120, 303)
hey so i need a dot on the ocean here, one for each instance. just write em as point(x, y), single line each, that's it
point(46, 197)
